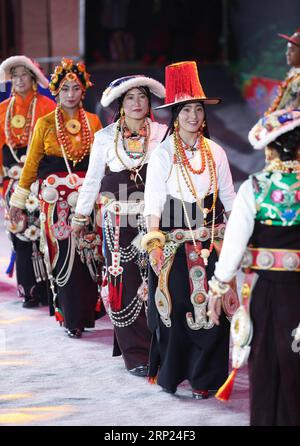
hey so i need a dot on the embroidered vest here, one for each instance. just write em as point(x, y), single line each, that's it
point(277, 198)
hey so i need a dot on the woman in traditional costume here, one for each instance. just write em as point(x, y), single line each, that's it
point(117, 169)
point(188, 192)
point(18, 115)
point(263, 233)
point(58, 158)
point(288, 96)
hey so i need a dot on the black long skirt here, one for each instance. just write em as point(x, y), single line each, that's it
point(133, 341)
point(179, 353)
point(28, 287)
point(274, 362)
point(77, 299)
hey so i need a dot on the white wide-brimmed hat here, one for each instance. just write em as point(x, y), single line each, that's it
point(119, 86)
point(14, 61)
point(268, 128)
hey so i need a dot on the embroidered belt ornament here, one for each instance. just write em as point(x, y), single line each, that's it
point(198, 287)
point(163, 299)
point(18, 121)
point(38, 264)
point(115, 269)
point(142, 291)
point(241, 326)
point(61, 230)
point(73, 126)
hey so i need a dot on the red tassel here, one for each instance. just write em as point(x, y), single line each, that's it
point(110, 292)
point(59, 315)
point(119, 299)
point(224, 392)
point(98, 305)
point(152, 379)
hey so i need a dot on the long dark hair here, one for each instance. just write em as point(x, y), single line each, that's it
point(175, 112)
point(287, 145)
point(144, 90)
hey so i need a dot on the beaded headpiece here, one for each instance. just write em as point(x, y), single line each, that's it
point(69, 71)
point(268, 128)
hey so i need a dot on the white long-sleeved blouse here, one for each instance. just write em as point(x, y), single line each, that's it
point(103, 154)
point(162, 178)
point(239, 229)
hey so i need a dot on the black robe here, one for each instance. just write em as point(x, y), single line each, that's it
point(177, 352)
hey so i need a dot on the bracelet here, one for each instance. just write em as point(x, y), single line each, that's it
point(217, 288)
point(79, 221)
point(19, 197)
point(152, 235)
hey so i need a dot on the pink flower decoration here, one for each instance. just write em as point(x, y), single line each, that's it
point(277, 196)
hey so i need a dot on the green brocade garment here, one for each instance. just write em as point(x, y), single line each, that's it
point(277, 198)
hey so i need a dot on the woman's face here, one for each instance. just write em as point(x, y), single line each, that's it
point(293, 55)
point(191, 117)
point(21, 80)
point(70, 94)
point(270, 154)
point(135, 104)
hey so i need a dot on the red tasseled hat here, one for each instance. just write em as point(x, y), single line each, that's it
point(295, 38)
point(183, 85)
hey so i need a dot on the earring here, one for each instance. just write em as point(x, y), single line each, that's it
point(176, 124)
point(122, 112)
point(34, 86)
point(203, 125)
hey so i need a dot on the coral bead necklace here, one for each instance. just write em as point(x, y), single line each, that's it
point(74, 154)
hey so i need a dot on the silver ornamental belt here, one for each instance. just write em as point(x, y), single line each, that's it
point(71, 181)
point(201, 234)
point(270, 259)
point(51, 194)
point(13, 172)
point(125, 207)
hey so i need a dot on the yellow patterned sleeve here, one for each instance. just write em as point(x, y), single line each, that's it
point(34, 155)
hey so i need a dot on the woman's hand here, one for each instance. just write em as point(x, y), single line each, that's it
point(156, 257)
point(214, 308)
point(78, 225)
point(15, 215)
